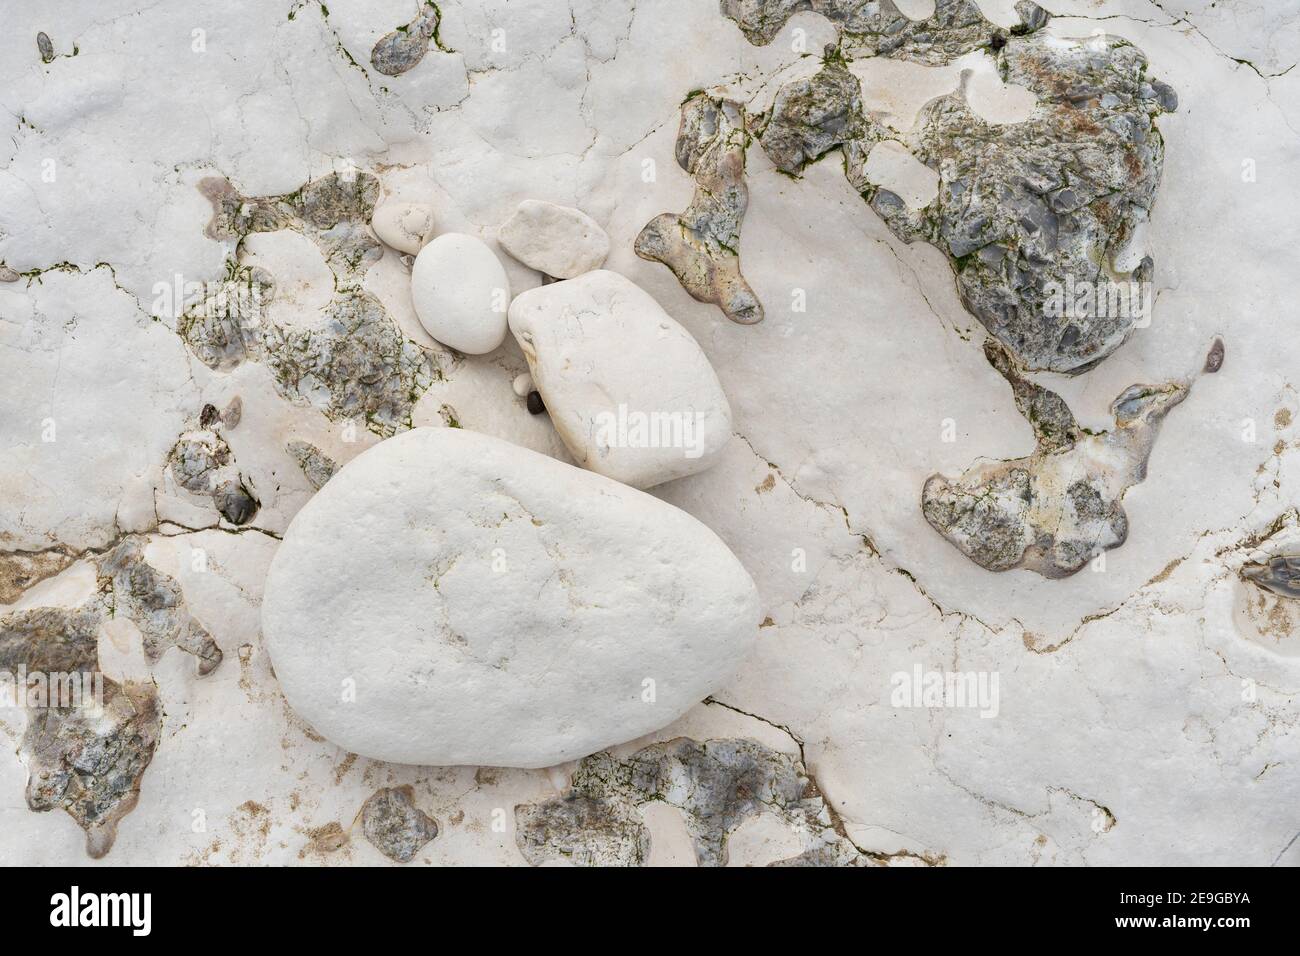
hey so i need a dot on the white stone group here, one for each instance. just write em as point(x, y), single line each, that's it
point(449, 598)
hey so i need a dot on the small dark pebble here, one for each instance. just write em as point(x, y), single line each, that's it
point(45, 46)
point(207, 416)
point(235, 503)
point(535, 404)
point(1214, 360)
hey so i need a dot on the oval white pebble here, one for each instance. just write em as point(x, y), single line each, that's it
point(449, 598)
point(405, 226)
point(460, 292)
point(558, 240)
point(522, 385)
point(629, 390)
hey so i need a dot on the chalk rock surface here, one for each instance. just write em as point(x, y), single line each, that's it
point(559, 240)
point(403, 225)
point(459, 289)
point(629, 390)
point(494, 606)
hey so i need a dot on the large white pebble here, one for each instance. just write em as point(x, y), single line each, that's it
point(403, 225)
point(460, 292)
point(558, 240)
point(628, 389)
point(449, 598)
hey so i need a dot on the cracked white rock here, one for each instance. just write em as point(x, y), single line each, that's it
point(628, 389)
point(460, 293)
point(560, 241)
point(450, 598)
point(405, 226)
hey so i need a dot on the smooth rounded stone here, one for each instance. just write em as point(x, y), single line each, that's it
point(453, 599)
point(460, 292)
point(628, 389)
point(558, 240)
point(522, 385)
point(405, 226)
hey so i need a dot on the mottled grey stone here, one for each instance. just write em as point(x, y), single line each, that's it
point(582, 830)
point(1280, 574)
point(397, 52)
point(395, 825)
point(1027, 212)
point(315, 464)
point(356, 364)
point(1061, 506)
point(702, 245)
point(813, 116)
point(154, 603)
point(203, 464)
point(90, 761)
point(717, 784)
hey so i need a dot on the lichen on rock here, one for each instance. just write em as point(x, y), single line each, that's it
point(357, 365)
point(1061, 506)
point(717, 784)
point(702, 245)
point(354, 363)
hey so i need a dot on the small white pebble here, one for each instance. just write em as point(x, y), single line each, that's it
point(523, 384)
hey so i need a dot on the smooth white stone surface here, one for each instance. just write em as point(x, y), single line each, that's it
point(628, 389)
point(560, 241)
point(493, 606)
point(406, 226)
point(460, 291)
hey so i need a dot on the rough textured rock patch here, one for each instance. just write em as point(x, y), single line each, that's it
point(702, 245)
point(1061, 506)
point(395, 825)
point(1038, 218)
point(718, 784)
